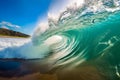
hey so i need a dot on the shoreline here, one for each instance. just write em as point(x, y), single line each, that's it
point(2, 36)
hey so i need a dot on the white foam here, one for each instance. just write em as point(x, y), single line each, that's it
point(12, 42)
point(55, 10)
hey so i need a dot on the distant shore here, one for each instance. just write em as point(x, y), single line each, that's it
point(12, 34)
point(2, 36)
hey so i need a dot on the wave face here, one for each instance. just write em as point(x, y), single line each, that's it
point(82, 33)
point(88, 32)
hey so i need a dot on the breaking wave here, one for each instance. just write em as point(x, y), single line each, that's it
point(81, 33)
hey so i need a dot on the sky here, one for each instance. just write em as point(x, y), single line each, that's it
point(25, 15)
point(22, 15)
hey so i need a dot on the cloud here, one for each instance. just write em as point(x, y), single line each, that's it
point(8, 25)
point(4, 27)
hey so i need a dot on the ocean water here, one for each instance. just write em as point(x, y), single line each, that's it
point(87, 35)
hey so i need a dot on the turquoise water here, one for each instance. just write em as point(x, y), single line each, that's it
point(89, 37)
point(85, 40)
